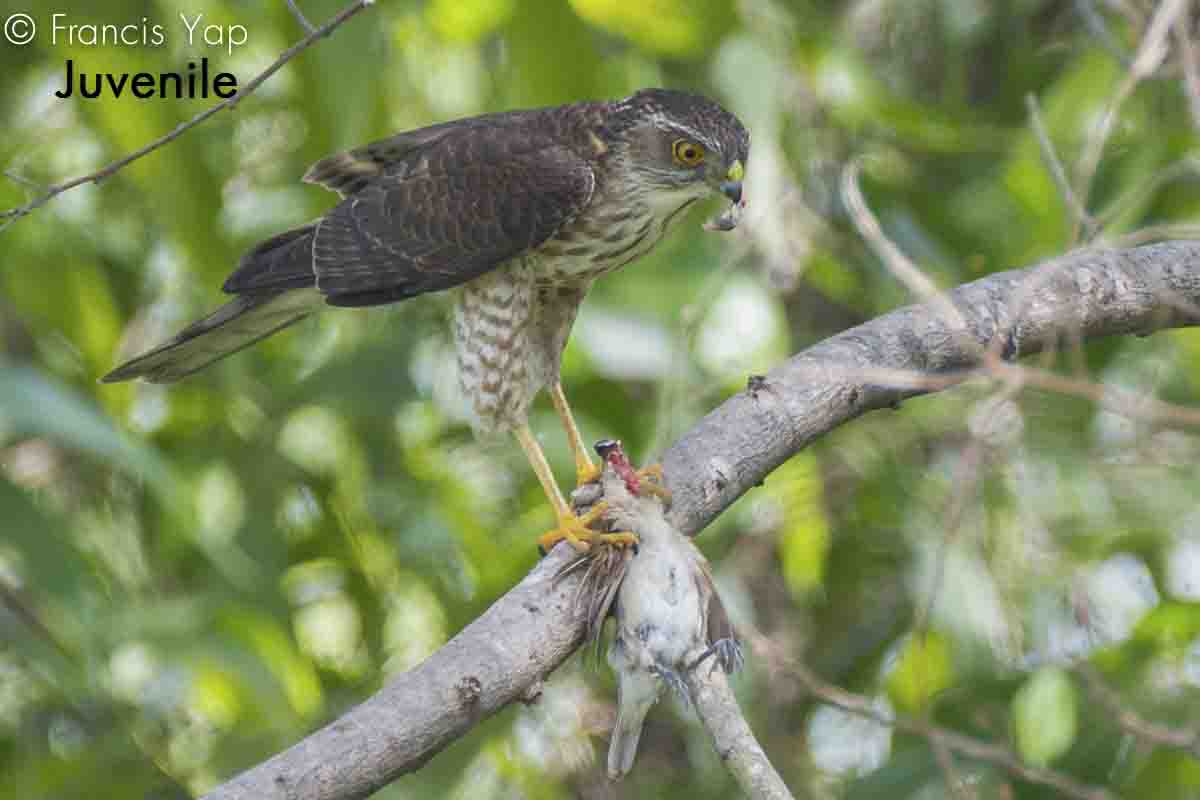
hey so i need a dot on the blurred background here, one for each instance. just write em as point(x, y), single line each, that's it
point(194, 577)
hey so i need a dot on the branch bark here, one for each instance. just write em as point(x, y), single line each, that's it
point(731, 735)
point(1088, 293)
point(505, 654)
point(499, 658)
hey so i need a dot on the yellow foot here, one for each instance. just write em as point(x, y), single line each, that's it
point(574, 529)
point(652, 482)
point(586, 473)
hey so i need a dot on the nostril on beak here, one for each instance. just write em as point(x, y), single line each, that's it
point(732, 190)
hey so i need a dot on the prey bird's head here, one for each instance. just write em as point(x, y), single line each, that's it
point(683, 144)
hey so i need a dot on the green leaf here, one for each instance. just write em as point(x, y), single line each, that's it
point(468, 21)
point(50, 561)
point(1170, 626)
point(296, 675)
point(1167, 775)
point(923, 670)
point(672, 27)
point(55, 578)
point(1045, 716)
point(804, 539)
point(34, 404)
point(903, 776)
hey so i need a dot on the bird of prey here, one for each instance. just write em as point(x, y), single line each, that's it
point(669, 618)
point(517, 213)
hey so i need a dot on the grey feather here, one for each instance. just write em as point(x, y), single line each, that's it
point(239, 323)
point(636, 694)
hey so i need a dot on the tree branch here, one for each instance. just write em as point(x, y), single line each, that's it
point(500, 657)
point(732, 738)
point(1090, 293)
point(505, 654)
point(13, 214)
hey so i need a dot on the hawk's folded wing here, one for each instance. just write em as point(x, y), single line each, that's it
point(442, 212)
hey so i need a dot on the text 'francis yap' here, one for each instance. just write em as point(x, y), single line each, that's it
point(196, 80)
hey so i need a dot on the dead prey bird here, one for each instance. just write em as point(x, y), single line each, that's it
point(669, 618)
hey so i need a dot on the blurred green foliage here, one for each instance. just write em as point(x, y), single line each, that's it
point(194, 577)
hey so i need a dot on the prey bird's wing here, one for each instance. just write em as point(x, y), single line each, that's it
point(720, 636)
point(430, 213)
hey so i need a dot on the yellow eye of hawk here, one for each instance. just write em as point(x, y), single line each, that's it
point(687, 152)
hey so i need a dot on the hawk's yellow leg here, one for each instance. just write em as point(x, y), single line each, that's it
point(652, 482)
point(585, 470)
point(571, 527)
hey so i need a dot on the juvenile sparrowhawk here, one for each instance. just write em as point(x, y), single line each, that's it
point(517, 212)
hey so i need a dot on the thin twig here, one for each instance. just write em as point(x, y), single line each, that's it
point(11, 599)
point(950, 774)
point(1191, 68)
point(1099, 28)
point(13, 214)
point(17, 177)
point(1185, 739)
point(299, 15)
point(992, 361)
point(1055, 165)
point(1156, 233)
point(966, 479)
point(1111, 398)
point(952, 741)
point(892, 257)
point(1150, 55)
point(970, 470)
point(1184, 168)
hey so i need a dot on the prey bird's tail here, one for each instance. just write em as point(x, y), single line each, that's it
point(239, 323)
point(637, 691)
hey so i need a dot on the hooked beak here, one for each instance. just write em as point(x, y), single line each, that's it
point(731, 187)
point(606, 447)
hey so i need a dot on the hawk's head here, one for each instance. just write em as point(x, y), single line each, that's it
point(684, 145)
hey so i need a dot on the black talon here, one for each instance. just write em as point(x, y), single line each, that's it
point(727, 654)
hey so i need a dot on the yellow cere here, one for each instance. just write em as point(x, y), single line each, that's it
point(736, 171)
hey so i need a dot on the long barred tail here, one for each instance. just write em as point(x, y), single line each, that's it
point(239, 323)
